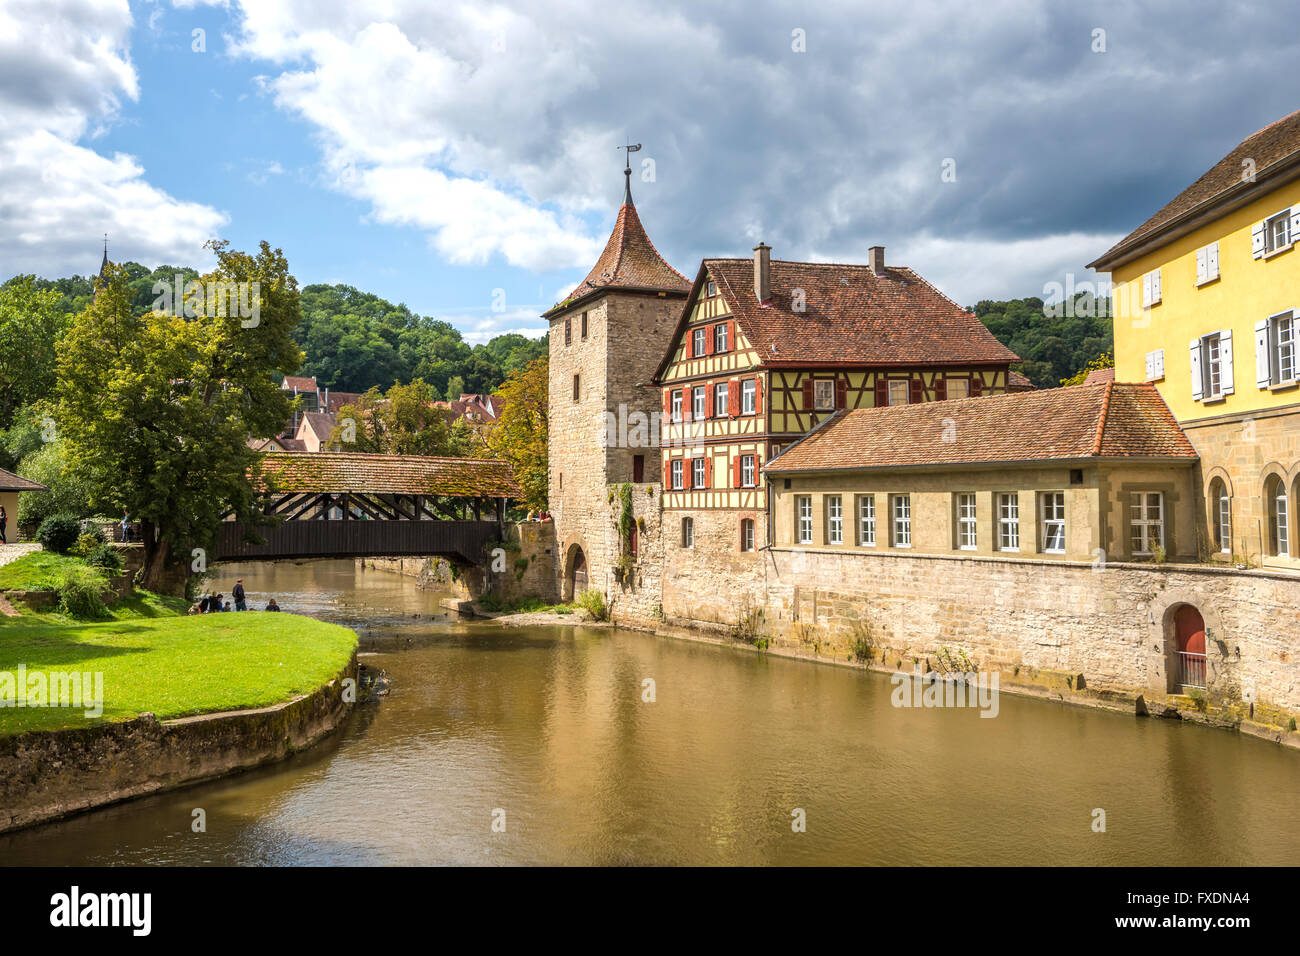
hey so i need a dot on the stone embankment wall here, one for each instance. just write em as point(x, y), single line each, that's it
point(45, 775)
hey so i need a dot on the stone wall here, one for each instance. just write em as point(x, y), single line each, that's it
point(45, 775)
point(712, 583)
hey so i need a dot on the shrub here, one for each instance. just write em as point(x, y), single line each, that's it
point(593, 602)
point(59, 533)
point(106, 558)
point(87, 542)
point(81, 588)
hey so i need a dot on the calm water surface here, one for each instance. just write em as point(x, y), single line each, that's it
point(548, 725)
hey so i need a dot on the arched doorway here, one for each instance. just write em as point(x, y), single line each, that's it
point(1189, 631)
point(575, 577)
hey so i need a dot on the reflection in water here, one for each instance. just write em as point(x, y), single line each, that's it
point(548, 725)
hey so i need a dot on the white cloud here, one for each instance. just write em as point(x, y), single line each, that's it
point(65, 65)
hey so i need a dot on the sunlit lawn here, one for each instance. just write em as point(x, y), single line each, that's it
point(175, 666)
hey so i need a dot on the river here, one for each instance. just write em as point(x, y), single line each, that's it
point(544, 732)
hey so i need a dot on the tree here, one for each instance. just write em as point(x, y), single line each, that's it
point(155, 410)
point(404, 421)
point(65, 493)
point(30, 325)
point(1052, 341)
point(520, 433)
point(1105, 360)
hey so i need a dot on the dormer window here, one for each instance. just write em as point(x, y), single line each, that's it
point(710, 289)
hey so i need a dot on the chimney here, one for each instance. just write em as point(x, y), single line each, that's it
point(762, 272)
point(876, 259)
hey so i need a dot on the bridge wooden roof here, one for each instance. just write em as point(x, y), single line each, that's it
point(351, 472)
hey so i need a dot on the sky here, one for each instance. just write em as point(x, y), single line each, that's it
point(462, 157)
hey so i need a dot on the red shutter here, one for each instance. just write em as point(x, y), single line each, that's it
point(735, 472)
point(668, 473)
point(758, 395)
point(807, 394)
point(940, 388)
point(708, 401)
point(917, 391)
point(882, 391)
point(733, 397)
point(687, 407)
point(976, 385)
point(708, 340)
point(841, 392)
point(731, 335)
point(686, 346)
point(668, 402)
point(708, 471)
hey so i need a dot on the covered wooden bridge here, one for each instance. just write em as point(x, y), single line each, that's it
point(342, 504)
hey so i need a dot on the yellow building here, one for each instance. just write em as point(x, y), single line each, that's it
point(11, 486)
point(1205, 295)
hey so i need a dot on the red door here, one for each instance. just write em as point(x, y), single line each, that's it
point(1189, 627)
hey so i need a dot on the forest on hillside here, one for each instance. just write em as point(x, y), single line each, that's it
point(1055, 342)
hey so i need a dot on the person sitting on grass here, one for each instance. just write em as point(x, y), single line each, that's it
point(272, 606)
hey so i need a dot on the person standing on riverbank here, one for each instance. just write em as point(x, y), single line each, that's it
point(238, 595)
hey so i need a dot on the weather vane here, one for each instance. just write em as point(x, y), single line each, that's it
point(627, 171)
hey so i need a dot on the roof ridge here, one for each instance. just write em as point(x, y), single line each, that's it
point(1101, 419)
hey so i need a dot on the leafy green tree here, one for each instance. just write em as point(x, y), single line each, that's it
point(407, 420)
point(26, 434)
point(1053, 342)
point(155, 410)
point(1102, 361)
point(455, 388)
point(30, 325)
point(520, 433)
point(65, 492)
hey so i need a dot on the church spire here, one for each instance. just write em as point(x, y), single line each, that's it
point(103, 266)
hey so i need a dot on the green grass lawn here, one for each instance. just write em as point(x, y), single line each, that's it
point(35, 571)
point(38, 572)
point(175, 666)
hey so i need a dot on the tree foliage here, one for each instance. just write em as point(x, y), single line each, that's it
point(1053, 343)
point(1105, 360)
point(520, 433)
point(155, 410)
point(31, 321)
point(405, 420)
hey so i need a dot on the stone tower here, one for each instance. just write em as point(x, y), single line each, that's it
point(606, 340)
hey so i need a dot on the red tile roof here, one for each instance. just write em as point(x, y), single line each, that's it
point(1018, 383)
point(321, 424)
point(1099, 375)
point(1277, 143)
point(301, 384)
point(629, 261)
point(339, 472)
point(1093, 421)
point(11, 482)
point(338, 399)
point(852, 317)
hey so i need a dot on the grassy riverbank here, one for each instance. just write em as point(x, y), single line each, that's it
point(175, 666)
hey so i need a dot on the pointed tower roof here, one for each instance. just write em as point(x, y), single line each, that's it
point(103, 266)
point(629, 261)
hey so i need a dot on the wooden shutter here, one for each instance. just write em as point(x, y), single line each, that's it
point(1212, 260)
point(708, 471)
point(1225, 362)
point(841, 392)
point(1155, 287)
point(807, 394)
point(940, 388)
point(735, 472)
point(709, 333)
point(668, 473)
point(1197, 381)
point(708, 400)
point(1151, 366)
point(916, 391)
point(976, 385)
point(668, 403)
point(1257, 240)
point(1202, 264)
point(688, 407)
point(758, 395)
point(882, 391)
point(1263, 355)
point(1146, 290)
point(1295, 223)
point(733, 396)
point(731, 335)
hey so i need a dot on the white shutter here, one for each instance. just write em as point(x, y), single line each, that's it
point(1225, 361)
point(1146, 290)
point(1257, 240)
point(1151, 366)
point(1159, 362)
point(1212, 260)
point(1202, 264)
point(1197, 381)
point(1155, 287)
point(1263, 374)
point(1295, 224)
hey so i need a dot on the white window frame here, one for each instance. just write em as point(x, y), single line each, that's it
point(867, 521)
point(720, 338)
point(1211, 366)
point(748, 396)
point(1277, 233)
point(1144, 518)
point(1009, 521)
point(699, 402)
point(1279, 519)
point(1277, 350)
point(900, 524)
point(747, 534)
point(688, 532)
point(697, 473)
point(675, 404)
point(675, 473)
point(748, 471)
point(959, 384)
point(698, 342)
point(834, 519)
point(803, 523)
point(1223, 520)
point(823, 394)
point(1053, 510)
point(1207, 263)
point(904, 387)
point(720, 400)
point(967, 531)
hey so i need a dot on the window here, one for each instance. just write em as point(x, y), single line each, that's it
point(834, 519)
point(675, 470)
point(688, 532)
point(966, 522)
point(1275, 350)
point(676, 401)
point(1211, 363)
point(638, 468)
point(584, 325)
point(803, 519)
point(1053, 503)
point(720, 400)
point(720, 337)
point(748, 392)
point(746, 534)
point(1221, 515)
point(1277, 232)
point(697, 403)
point(1155, 364)
point(697, 473)
point(577, 387)
point(1151, 289)
point(698, 349)
point(1147, 521)
point(867, 521)
point(958, 387)
point(1279, 524)
point(568, 331)
point(898, 391)
point(710, 289)
point(1009, 522)
point(902, 524)
point(823, 394)
point(1207, 263)
point(747, 471)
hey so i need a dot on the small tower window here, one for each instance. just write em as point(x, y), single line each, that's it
point(577, 387)
point(584, 326)
point(568, 331)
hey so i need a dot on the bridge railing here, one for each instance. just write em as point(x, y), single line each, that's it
point(343, 539)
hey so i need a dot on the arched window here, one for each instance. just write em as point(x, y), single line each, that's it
point(1279, 516)
point(1221, 515)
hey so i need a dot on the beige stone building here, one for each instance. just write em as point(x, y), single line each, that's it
point(11, 486)
point(606, 338)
